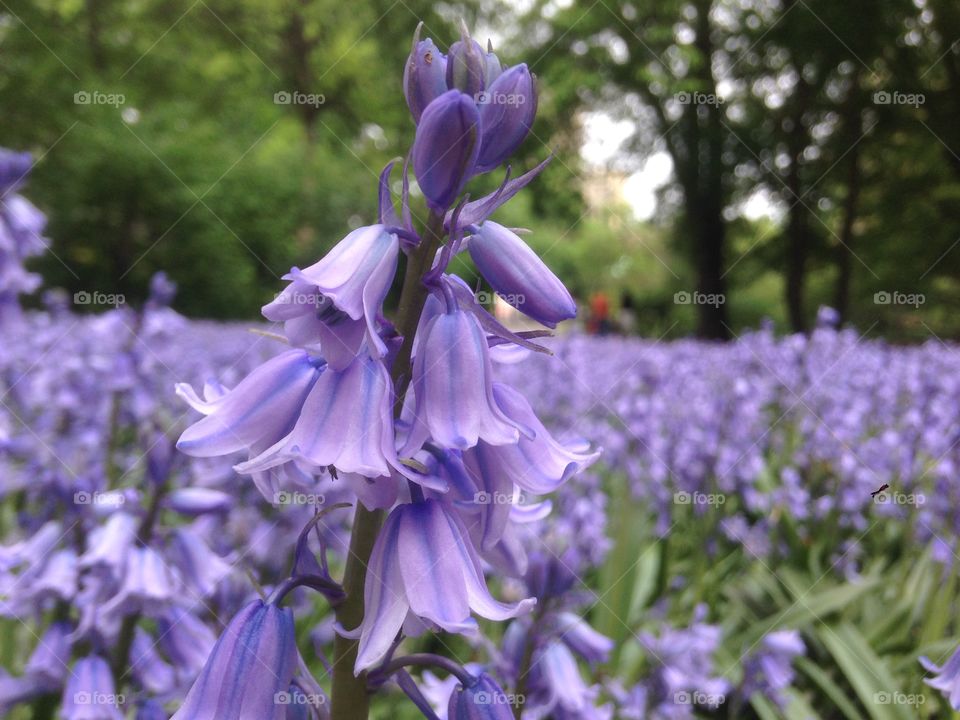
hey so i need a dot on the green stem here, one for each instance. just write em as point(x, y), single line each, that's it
point(526, 662)
point(45, 707)
point(350, 700)
point(129, 626)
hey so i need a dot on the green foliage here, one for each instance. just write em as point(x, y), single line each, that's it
point(863, 633)
point(181, 160)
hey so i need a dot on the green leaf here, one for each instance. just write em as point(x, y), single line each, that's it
point(645, 583)
point(798, 708)
point(836, 694)
point(938, 615)
point(764, 708)
point(807, 609)
point(867, 674)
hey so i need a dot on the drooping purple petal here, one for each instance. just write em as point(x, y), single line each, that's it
point(433, 576)
point(478, 595)
point(346, 422)
point(384, 601)
point(264, 405)
point(537, 462)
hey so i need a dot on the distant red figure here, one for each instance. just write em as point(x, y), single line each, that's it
point(599, 322)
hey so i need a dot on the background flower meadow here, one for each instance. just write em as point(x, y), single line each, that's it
point(725, 549)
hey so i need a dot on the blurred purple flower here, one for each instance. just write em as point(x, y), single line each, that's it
point(948, 677)
point(90, 692)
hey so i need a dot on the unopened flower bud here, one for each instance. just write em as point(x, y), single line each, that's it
point(507, 110)
point(446, 147)
point(467, 67)
point(514, 270)
point(424, 76)
point(482, 699)
point(492, 66)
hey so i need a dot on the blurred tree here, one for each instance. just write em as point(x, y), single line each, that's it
point(165, 141)
point(778, 100)
point(657, 63)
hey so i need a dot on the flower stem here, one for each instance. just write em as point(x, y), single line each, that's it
point(350, 700)
point(128, 628)
point(427, 660)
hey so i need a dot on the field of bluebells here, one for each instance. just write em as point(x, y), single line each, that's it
point(353, 512)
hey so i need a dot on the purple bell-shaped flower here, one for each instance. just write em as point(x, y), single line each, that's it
point(90, 693)
point(947, 679)
point(250, 666)
point(346, 422)
point(424, 563)
point(335, 302)
point(258, 411)
point(453, 387)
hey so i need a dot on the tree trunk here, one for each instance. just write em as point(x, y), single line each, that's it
point(796, 267)
point(711, 232)
point(946, 21)
point(706, 190)
point(798, 230)
point(845, 251)
point(97, 57)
